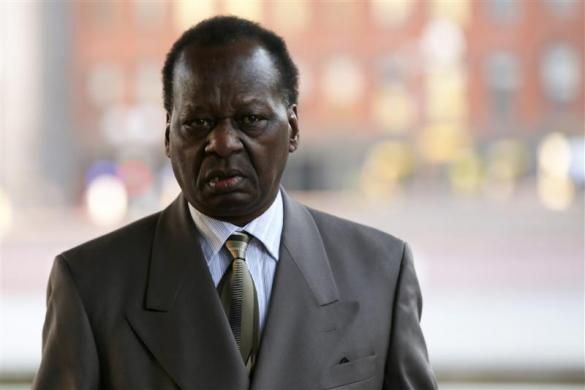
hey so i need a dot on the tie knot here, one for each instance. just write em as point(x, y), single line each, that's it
point(236, 244)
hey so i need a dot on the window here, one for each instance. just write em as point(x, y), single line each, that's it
point(343, 82)
point(390, 13)
point(561, 72)
point(149, 13)
point(503, 75)
point(187, 13)
point(291, 15)
point(562, 8)
point(505, 11)
point(105, 84)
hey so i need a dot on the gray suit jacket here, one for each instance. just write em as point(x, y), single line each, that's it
point(137, 309)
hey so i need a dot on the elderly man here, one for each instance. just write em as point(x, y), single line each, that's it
point(235, 285)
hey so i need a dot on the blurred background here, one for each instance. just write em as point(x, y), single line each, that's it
point(457, 125)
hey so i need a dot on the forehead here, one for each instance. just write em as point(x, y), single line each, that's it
point(239, 67)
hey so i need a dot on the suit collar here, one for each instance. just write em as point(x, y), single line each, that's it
point(174, 247)
point(182, 322)
point(302, 241)
point(184, 327)
point(306, 317)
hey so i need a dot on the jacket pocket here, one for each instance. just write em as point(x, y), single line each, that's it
point(350, 372)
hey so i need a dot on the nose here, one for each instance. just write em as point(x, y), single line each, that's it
point(224, 139)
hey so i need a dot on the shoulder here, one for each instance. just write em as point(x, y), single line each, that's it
point(357, 237)
point(116, 249)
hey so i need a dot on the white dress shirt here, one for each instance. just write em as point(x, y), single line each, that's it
point(261, 254)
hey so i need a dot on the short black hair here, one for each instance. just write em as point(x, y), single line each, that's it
point(224, 30)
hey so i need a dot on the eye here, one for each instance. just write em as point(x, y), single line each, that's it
point(200, 124)
point(252, 120)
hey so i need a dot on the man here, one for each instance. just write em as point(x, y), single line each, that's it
point(234, 285)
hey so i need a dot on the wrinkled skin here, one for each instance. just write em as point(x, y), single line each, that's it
point(230, 130)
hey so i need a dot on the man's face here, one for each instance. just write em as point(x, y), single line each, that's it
point(230, 131)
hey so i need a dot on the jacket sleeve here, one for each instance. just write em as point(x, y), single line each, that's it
point(69, 356)
point(407, 365)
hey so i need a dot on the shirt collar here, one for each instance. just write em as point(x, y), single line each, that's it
point(267, 228)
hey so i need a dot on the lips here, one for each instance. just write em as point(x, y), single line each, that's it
point(223, 181)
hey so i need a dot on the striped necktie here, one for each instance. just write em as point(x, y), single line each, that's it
point(238, 296)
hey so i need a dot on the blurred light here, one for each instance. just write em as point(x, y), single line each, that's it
point(145, 124)
point(343, 81)
point(446, 94)
point(187, 13)
point(555, 188)
point(393, 108)
point(390, 12)
point(577, 168)
point(386, 165)
point(136, 176)
point(443, 142)
point(291, 16)
point(506, 161)
point(500, 182)
point(6, 217)
point(443, 43)
point(138, 125)
point(106, 200)
point(466, 173)
point(556, 193)
point(456, 11)
point(99, 168)
point(554, 155)
point(248, 9)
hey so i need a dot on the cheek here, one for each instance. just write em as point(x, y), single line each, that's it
point(183, 161)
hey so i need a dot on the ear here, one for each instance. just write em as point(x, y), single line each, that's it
point(293, 122)
point(167, 134)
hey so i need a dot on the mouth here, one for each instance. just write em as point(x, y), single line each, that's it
point(224, 181)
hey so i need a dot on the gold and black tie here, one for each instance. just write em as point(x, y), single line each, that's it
point(238, 296)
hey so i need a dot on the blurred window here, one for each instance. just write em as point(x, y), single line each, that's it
point(147, 82)
point(187, 13)
point(390, 13)
point(291, 15)
point(396, 67)
point(393, 107)
point(562, 8)
point(340, 14)
point(306, 78)
point(343, 81)
point(105, 84)
point(503, 10)
point(455, 11)
point(103, 13)
point(149, 13)
point(249, 9)
point(561, 72)
point(503, 76)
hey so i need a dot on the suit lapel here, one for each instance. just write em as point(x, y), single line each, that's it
point(181, 321)
point(306, 316)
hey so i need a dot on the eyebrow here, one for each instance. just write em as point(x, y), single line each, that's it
point(248, 100)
